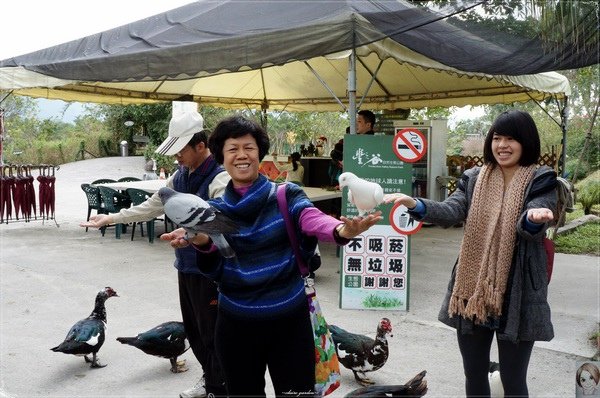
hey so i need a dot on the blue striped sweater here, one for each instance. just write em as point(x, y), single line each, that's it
point(263, 279)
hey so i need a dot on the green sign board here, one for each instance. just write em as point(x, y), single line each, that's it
point(375, 265)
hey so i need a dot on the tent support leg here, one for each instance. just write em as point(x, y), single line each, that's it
point(352, 91)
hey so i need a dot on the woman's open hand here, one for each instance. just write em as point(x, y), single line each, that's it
point(401, 198)
point(540, 215)
point(176, 238)
point(357, 225)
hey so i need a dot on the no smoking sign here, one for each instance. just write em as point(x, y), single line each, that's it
point(409, 145)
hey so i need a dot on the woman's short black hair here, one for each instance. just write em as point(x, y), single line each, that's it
point(234, 127)
point(520, 126)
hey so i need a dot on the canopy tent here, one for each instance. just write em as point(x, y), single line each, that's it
point(294, 55)
point(302, 56)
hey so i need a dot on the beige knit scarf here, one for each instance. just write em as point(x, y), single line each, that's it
point(487, 248)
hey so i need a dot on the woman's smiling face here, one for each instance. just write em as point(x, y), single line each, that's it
point(507, 151)
point(241, 160)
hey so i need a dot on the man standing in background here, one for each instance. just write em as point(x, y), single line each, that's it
point(198, 174)
point(365, 122)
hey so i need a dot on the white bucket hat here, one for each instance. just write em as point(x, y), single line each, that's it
point(182, 128)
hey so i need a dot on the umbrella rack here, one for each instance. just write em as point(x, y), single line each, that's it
point(18, 199)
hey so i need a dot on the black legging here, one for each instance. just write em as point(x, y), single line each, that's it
point(247, 347)
point(513, 359)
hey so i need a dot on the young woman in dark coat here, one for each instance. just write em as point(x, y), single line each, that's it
point(499, 283)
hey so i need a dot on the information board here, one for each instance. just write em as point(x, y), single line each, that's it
point(375, 265)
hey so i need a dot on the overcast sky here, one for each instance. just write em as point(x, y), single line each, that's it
point(28, 26)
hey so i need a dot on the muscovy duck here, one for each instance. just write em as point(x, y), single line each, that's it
point(87, 335)
point(361, 353)
point(415, 387)
point(167, 340)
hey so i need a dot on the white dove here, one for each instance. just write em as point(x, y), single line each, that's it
point(196, 215)
point(363, 194)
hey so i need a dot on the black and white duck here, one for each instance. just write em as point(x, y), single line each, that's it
point(87, 336)
point(167, 340)
point(361, 353)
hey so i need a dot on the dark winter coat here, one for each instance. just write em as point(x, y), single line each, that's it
point(525, 313)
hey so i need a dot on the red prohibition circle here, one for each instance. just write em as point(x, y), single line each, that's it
point(399, 137)
point(397, 228)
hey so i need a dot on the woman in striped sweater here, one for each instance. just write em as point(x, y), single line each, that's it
point(263, 320)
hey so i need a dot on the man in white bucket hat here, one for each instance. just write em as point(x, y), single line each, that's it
point(199, 174)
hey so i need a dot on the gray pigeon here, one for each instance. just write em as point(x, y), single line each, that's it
point(196, 216)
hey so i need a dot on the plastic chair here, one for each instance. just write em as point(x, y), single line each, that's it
point(113, 202)
point(137, 197)
point(103, 181)
point(127, 179)
point(94, 201)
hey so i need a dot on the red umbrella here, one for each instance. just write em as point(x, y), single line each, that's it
point(29, 200)
point(6, 181)
point(19, 194)
point(47, 191)
point(50, 193)
point(43, 180)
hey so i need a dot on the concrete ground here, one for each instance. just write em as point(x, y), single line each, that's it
point(50, 272)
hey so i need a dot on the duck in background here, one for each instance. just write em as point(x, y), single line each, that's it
point(167, 340)
point(87, 335)
point(361, 353)
point(415, 387)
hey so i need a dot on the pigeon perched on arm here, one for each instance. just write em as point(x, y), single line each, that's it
point(363, 194)
point(196, 216)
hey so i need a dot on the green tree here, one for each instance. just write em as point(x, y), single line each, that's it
point(151, 120)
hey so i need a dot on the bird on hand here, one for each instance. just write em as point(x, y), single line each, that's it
point(363, 194)
point(195, 215)
point(87, 335)
point(167, 340)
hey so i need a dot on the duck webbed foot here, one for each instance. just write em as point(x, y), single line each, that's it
point(94, 361)
point(362, 379)
point(178, 366)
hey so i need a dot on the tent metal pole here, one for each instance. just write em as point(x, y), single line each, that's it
point(352, 91)
point(314, 72)
point(564, 115)
point(373, 78)
point(1, 137)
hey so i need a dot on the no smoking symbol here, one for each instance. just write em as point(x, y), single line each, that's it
point(409, 145)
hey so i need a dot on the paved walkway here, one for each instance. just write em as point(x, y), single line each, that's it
point(49, 276)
